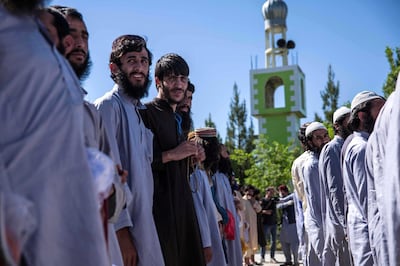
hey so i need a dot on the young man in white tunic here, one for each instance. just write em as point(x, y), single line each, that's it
point(365, 107)
point(317, 136)
point(130, 61)
point(43, 156)
point(335, 250)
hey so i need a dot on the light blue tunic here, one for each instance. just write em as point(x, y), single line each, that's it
point(206, 216)
point(135, 148)
point(42, 147)
point(332, 188)
point(355, 181)
point(383, 212)
point(312, 216)
point(225, 198)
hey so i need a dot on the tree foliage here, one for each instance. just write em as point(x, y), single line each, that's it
point(236, 126)
point(272, 163)
point(394, 63)
point(330, 96)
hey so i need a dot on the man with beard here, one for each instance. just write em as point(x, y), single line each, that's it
point(336, 250)
point(224, 197)
point(43, 158)
point(130, 62)
point(365, 107)
point(317, 136)
point(184, 109)
point(173, 208)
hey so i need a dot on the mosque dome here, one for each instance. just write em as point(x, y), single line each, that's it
point(275, 13)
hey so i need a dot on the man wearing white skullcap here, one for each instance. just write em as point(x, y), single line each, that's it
point(364, 111)
point(317, 137)
point(331, 181)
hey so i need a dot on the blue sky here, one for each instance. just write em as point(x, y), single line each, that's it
point(218, 37)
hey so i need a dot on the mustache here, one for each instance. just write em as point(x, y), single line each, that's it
point(77, 50)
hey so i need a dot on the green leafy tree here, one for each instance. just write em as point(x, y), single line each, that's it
point(236, 132)
point(272, 163)
point(241, 161)
point(330, 96)
point(394, 63)
point(251, 137)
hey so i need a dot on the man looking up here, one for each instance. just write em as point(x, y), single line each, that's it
point(130, 61)
point(173, 207)
point(365, 107)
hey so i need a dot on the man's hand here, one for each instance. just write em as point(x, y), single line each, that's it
point(182, 151)
point(128, 249)
point(207, 254)
point(122, 173)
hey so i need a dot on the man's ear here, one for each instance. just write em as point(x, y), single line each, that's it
point(68, 43)
point(158, 82)
point(113, 68)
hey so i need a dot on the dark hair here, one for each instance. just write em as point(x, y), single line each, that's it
point(69, 12)
point(125, 44)
point(301, 134)
point(59, 22)
point(354, 121)
point(21, 7)
point(171, 64)
point(211, 148)
point(342, 129)
point(283, 188)
point(190, 87)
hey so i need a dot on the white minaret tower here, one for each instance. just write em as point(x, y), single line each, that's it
point(275, 13)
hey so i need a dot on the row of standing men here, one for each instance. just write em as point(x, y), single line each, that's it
point(54, 143)
point(347, 188)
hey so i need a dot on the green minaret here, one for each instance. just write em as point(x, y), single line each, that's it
point(279, 119)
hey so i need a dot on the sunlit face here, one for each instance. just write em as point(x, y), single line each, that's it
point(173, 88)
point(79, 55)
point(136, 66)
point(320, 137)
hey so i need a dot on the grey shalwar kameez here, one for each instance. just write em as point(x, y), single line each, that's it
point(355, 181)
point(135, 148)
point(336, 250)
point(312, 216)
point(42, 147)
point(225, 198)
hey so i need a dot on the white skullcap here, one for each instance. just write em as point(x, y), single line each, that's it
point(344, 110)
point(363, 97)
point(314, 126)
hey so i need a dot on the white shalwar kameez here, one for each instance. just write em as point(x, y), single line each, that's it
point(42, 147)
point(336, 250)
point(135, 148)
point(383, 184)
point(312, 216)
point(225, 198)
point(355, 181)
point(206, 216)
point(300, 204)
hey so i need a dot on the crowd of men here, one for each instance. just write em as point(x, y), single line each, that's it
point(347, 188)
point(119, 182)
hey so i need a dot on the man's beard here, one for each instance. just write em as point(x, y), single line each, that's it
point(82, 71)
point(167, 95)
point(134, 91)
point(369, 123)
point(344, 132)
